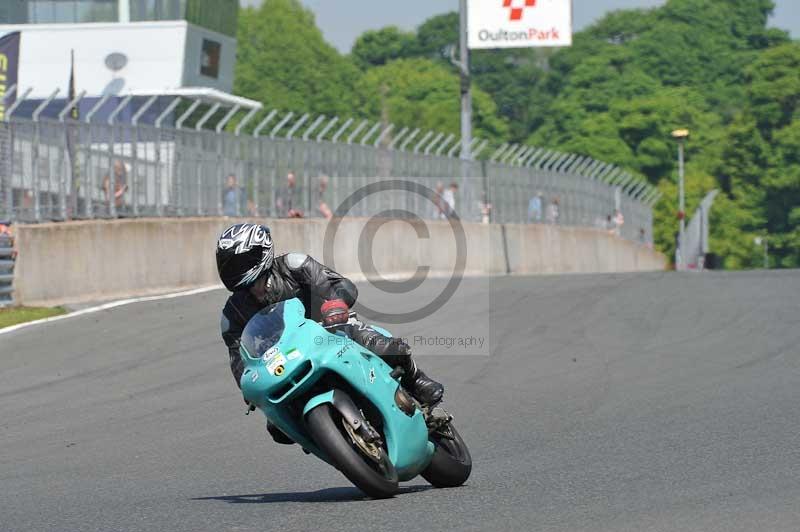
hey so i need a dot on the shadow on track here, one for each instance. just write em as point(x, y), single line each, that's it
point(323, 495)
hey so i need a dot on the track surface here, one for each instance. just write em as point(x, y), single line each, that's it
point(637, 402)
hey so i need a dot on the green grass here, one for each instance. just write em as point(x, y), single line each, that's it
point(15, 315)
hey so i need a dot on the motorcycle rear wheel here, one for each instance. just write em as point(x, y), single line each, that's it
point(451, 464)
point(374, 475)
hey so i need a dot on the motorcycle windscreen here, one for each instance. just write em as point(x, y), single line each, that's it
point(264, 330)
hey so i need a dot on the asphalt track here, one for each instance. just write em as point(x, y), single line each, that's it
point(618, 402)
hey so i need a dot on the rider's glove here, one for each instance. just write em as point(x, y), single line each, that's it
point(335, 312)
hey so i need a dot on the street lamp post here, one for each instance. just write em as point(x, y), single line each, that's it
point(681, 135)
point(763, 240)
point(466, 91)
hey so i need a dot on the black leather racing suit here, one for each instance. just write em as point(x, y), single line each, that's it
point(300, 276)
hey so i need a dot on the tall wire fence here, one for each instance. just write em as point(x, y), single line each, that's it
point(55, 170)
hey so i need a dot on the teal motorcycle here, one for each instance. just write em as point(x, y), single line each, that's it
point(342, 403)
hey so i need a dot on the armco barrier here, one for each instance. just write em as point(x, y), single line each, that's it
point(70, 262)
point(6, 270)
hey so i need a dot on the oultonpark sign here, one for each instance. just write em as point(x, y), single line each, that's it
point(519, 23)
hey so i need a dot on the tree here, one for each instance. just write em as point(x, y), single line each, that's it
point(421, 93)
point(436, 34)
point(636, 75)
point(284, 62)
point(773, 86)
point(375, 48)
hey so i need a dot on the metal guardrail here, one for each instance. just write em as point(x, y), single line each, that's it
point(61, 169)
point(6, 270)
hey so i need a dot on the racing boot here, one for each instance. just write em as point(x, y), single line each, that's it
point(424, 389)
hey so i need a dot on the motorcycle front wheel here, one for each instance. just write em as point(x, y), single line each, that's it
point(365, 465)
point(451, 464)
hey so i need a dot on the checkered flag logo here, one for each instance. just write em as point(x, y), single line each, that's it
point(517, 7)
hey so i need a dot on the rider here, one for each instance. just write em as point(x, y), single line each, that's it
point(248, 267)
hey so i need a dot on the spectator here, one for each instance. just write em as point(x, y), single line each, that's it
point(286, 199)
point(486, 209)
point(439, 210)
point(232, 197)
point(619, 221)
point(535, 208)
point(552, 213)
point(449, 200)
point(120, 184)
point(5, 233)
point(643, 237)
point(320, 200)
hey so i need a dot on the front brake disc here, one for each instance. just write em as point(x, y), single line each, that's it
point(370, 449)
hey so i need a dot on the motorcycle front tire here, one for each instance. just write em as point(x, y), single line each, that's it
point(378, 481)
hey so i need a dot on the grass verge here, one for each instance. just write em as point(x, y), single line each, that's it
point(15, 315)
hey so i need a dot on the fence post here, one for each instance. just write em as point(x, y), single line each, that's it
point(37, 214)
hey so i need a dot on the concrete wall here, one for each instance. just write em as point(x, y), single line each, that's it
point(96, 260)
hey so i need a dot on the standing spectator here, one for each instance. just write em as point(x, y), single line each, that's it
point(486, 209)
point(552, 213)
point(320, 200)
point(286, 199)
point(642, 236)
point(535, 208)
point(449, 200)
point(619, 221)
point(120, 173)
point(5, 233)
point(439, 209)
point(232, 197)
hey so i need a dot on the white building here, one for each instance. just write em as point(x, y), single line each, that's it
point(121, 48)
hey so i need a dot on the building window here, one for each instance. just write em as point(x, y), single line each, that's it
point(209, 60)
point(13, 12)
point(157, 9)
point(58, 11)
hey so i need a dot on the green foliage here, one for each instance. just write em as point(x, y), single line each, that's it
point(773, 86)
point(436, 34)
point(284, 62)
point(375, 48)
point(421, 93)
point(708, 65)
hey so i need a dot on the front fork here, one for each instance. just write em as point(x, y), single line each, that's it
point(350, 413)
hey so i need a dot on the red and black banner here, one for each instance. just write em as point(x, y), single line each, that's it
point(9, 66)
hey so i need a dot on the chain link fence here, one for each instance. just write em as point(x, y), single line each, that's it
point(68, 170)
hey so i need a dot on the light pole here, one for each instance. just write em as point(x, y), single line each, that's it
point(466, 92)
point(466, 99)
point(763, 240)
point(681, 135)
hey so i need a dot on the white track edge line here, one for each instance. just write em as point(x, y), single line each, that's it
point(106, 306)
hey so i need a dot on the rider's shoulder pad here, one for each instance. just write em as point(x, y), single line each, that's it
point(295, 260)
